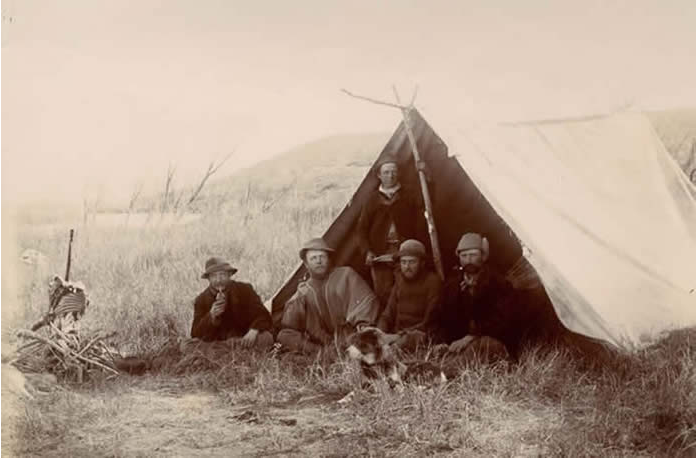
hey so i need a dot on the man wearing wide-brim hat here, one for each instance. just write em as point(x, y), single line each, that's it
point(331, 304)
point(228, 309)
point(413, 299)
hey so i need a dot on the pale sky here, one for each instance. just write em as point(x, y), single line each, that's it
point(98, 94)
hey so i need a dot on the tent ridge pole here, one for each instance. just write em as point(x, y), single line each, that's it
point(428, 211)
point(419, 165)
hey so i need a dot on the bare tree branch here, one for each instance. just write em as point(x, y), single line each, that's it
point(135, 195)
point(177, 200)
point(168, 188)
point(397, 97)
point(414, 95)
point(212, 168)
point(225, 159)
point(368, 99)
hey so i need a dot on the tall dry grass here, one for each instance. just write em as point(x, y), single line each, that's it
point(142, 281)
point(141, 278)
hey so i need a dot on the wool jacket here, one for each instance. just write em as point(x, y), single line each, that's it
point(404, 209)
point(244, 311)
point(321, 309)
point(495, 309)
point(412, 303)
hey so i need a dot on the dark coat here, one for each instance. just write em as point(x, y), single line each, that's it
point(244, 311)
point(405, 209)
point(497, 310)
point(412, 303)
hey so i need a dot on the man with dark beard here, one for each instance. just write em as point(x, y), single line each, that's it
point(413, 299)
point(477, 309)
point(484, 316)
point(332, 304)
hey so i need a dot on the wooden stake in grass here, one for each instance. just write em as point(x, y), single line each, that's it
point(428, 213)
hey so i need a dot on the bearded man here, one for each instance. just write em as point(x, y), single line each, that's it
point(478, 309)
point(413, 299)
point(483, 314)
point(332, 304)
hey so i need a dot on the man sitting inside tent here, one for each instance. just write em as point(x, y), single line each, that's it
point(481, 311)
point(333, 303)
point(228, 309)
point(390, 215)
point(413, 299)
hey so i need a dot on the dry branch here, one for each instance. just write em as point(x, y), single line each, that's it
point(369, 99)
point(212, 168)
point(168, 188)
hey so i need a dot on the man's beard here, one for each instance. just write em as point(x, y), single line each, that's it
point(472, 269)
point(410, 274)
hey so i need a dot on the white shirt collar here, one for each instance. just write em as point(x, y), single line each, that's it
point(390, 192)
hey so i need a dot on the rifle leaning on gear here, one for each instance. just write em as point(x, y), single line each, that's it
point(65, 297)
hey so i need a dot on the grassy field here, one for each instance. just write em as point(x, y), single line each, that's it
point(142, 280)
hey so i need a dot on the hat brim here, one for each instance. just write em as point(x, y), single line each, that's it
point(400, 254)
point(302, 252)
point(230, 269)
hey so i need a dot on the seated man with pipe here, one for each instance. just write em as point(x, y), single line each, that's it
point(230, 310)
point(478, 310)
point(332, 304)
point(484, 316)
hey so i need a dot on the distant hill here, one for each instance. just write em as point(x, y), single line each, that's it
point(328, 170)
point(319, 170)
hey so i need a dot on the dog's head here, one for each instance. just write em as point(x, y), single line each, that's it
point(370, 345)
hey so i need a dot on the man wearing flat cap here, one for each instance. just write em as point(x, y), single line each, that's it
point(414, 298)
point(390, 216)
point(228, 309)
point(331, 304)
point(483, 316)
point(475, 311)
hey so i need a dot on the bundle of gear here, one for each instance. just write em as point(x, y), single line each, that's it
point(55, 344)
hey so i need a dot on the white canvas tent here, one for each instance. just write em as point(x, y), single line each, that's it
point(607, 216)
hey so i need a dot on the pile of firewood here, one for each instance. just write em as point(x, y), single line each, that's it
point(64, 354)
point(55, 345)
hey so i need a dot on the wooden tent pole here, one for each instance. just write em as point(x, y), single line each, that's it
point(428, 212)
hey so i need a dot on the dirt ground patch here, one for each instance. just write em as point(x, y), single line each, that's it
point(142, 417)
point(287, 406)
point(149, 421)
